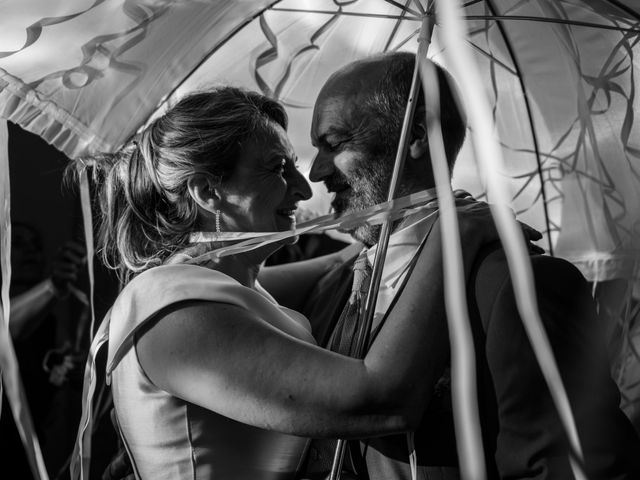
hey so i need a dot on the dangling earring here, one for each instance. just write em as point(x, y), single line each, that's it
point(217, 214)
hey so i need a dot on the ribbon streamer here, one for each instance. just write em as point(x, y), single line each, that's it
point(392, 210)
point(5, 222)
point(87, 220)
point(8, 362)
point(463, 364)
point(81, 456)
point(489, 157)
point(5, 233)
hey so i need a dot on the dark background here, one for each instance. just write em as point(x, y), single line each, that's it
point(41, 198)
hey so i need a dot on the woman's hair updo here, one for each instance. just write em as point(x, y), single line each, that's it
point(147, 212)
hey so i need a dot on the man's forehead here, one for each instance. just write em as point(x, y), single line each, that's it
point(331, 111)
point(339, 100)
point(336, 113)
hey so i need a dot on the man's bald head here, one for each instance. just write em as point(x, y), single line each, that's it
point(356, 79)
point(379, 86)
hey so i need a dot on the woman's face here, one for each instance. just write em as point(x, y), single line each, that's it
point(266, 186)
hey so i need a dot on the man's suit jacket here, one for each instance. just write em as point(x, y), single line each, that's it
point(522, 433)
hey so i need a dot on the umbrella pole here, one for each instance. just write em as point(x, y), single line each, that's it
point(362, 339)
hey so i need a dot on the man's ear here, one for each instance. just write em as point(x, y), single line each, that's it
point(203, 192)
point(418, 144)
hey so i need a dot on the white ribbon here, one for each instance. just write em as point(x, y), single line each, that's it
point(463, 363)
point(8, 362)
point(393, 210)
point(5, 222)
point(490, 160)
point(87, 221)
point(81, 456)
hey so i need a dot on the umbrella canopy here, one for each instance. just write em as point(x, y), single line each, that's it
point(560, 74)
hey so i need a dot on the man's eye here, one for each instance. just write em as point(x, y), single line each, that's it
point(334, 146)
point(280, 167)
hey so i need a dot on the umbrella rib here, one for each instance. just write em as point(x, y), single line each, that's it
point(534, 137)
point(420, 7)
point(624, 8)
point(494, 59)
point(351, 14)
point(395, 29)
point(413, 35)
point(405, 8)
point(551, 20)
point(466, 17)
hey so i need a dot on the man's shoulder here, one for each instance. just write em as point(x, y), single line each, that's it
point(547, 270)
point(557, 282)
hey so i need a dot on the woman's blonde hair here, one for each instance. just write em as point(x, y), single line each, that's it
point(147, 212)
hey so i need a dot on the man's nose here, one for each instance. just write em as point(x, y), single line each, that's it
point(299, 186)
point(321, 167)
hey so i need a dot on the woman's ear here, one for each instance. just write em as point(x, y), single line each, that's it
point(419, 144)
point(203, 192)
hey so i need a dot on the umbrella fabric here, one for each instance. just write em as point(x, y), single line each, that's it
point(85, 76)
point(120, 58)
point(574, 175)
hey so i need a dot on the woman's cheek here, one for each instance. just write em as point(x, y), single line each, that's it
point(272, 191)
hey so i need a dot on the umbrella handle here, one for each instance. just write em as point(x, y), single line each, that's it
point(338, 460)
point(362, 336)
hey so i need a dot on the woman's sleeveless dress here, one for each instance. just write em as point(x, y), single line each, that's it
point(169, 438)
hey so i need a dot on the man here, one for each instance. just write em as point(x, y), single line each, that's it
point(356, 128)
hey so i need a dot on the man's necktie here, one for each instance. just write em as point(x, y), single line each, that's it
point(343, 341)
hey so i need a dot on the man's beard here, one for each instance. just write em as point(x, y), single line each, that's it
point(366, 185)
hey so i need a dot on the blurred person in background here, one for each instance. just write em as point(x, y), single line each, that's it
point(44, 368)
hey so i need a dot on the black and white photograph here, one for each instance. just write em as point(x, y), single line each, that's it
point(319, 240)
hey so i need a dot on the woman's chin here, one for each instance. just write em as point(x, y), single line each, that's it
point(285, 223)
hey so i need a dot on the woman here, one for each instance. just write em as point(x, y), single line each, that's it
point(220, 381)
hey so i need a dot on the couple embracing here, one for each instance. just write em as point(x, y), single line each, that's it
point(228, 371)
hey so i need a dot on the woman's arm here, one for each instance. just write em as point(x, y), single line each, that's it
point(228, 360)
point(291, 283)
